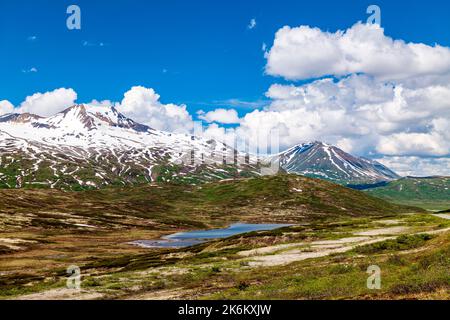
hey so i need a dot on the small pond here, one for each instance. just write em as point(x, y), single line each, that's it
point(190, 238)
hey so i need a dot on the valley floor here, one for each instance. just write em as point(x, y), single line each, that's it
point(311, 260)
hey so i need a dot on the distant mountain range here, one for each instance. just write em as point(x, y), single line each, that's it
point(85, 147)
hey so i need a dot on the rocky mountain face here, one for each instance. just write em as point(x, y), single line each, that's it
point(90, 147)
point(320, 160)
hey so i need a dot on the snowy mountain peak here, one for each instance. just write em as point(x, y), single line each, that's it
point(19, 118)
point(322, 160)
point(84, 116)
point(87, 146)
point(75, 116)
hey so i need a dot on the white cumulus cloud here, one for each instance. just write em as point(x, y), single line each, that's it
point(418, 166)
point(48, 103)
point(226, 116)
point(144, 106)
point(304, 52)
point(359, 114)
point(6, 107)
point(139, 103)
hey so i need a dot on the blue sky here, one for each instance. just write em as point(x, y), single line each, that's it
point(382, 93)
point(208, 53)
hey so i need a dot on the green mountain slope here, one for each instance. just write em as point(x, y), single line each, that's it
point(282, 198)
point(431, 192)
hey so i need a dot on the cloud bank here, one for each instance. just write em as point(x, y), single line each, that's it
point(304, 52)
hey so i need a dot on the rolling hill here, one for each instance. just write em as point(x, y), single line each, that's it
point(429, 192)
point(281, 198)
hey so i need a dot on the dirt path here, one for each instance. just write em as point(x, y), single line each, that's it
point(283, 254)
point(383, 231)
point(62, 294)
point(315, 249)
point(172, 294)
point(442, 215)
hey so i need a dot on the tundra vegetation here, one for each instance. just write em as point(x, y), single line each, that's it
point(336, 234)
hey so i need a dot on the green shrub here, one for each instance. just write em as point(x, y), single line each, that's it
point(403, 242)
point(91, 282)
point(215, 269)
point(395, 259)
point(243, 285)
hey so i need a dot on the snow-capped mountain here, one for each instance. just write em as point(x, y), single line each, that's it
point(320, 160)
point(89, 146)
point(92, 146)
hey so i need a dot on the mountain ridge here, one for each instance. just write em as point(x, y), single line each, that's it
point(89, 146)
point(321, 160)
